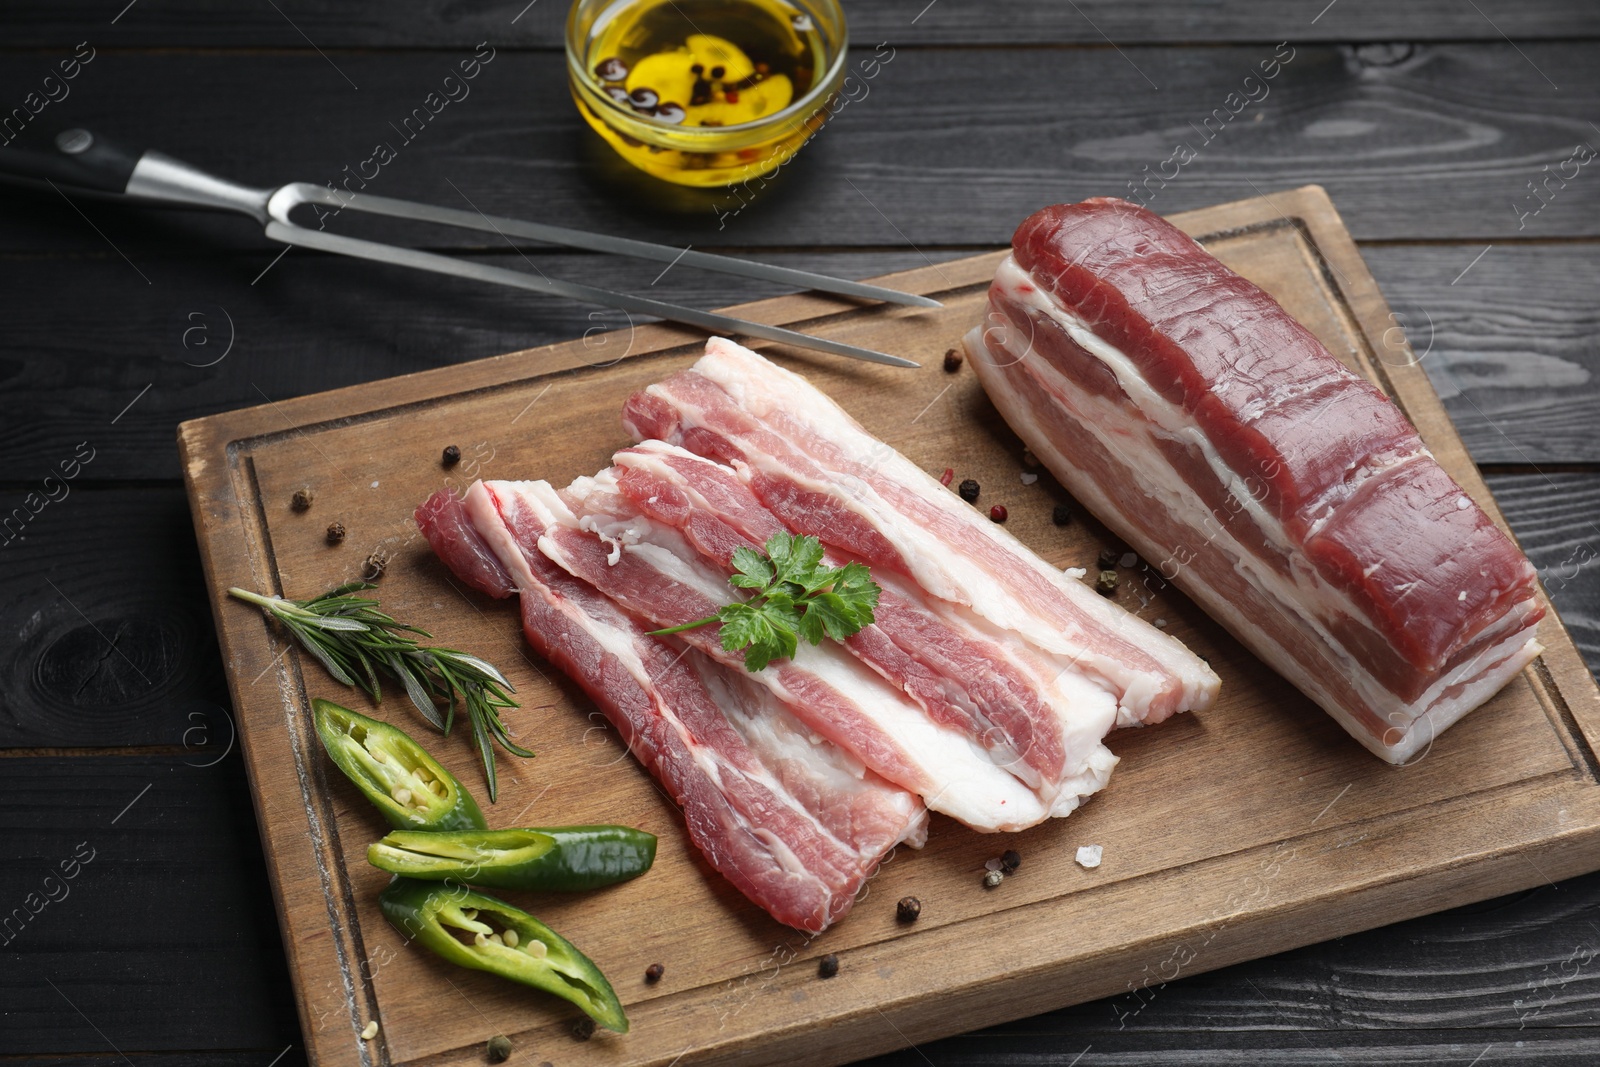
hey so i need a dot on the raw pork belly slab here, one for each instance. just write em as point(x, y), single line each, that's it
point(796, 824)
point(820, 473)
point(596, 535)
point(1280, 490)
point(1044, 726)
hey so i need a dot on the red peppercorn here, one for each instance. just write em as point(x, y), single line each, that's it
point(998, 513)
point(948, 476)
point(733, 96)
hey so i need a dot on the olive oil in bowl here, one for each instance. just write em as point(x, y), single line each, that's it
point(705, 92)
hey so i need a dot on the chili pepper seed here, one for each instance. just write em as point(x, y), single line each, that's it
point(952, 360)
point(499, 1048)
point(301, 501)
point(370, 1031)
point(908, 910)
point(653, 973)
point(828, 966)
point(998, 513)
point(968, 491)
point(451, 456)
point(510, 937)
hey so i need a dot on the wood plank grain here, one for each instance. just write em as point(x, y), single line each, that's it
point(1508, 340)
point(1440, 143)
point(1557, 526)
point(112, 642)
point(163, 938)
point(1508, 345)
point(314, 322)
point(424, 23)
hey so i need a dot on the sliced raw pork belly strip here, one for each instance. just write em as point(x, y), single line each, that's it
point(1281, 490)
point(797, 826)
point(814, 467)
point(1055, 720)
point(646, 567)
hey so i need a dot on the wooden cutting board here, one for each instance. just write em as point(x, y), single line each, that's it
point(1247, 830)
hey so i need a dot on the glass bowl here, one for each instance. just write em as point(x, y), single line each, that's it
point(678, 140)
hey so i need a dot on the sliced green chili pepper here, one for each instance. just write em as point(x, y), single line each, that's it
point(476, 930)
point(395, 773)
point(568, 858)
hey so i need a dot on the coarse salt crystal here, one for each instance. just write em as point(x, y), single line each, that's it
point(1161, 624)
point(1075, 573)
point(1028, 477)
point(1089, 855)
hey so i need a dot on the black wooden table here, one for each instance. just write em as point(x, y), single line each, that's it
point(1456, 136)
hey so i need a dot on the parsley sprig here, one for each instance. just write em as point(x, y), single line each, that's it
point(796, 598)
point(356, 642)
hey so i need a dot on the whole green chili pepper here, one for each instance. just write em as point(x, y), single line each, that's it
point(568, 858)
point(405, 783)
point(475, 930)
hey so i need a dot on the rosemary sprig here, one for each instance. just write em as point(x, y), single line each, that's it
point(357, 642)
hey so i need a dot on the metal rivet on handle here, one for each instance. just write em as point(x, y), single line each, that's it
point(73, 142)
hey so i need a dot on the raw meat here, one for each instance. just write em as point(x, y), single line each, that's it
point(1283, 492)
point(593, 533)
point(1043, 725)
point(815, 468)
point(795, 823)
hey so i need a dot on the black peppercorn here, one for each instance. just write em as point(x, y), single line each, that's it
point(452, 455)
point(583, 1028)
point(952, 360)
point(1108, 558)
point(1010, 859)
point(653, 973)
point(908, 909)
point(375, 565)
point(828, 966)
point(1062, 515)
point(335, 533)
point(968, 490)
point(1106, 584)
point(302, 498)
point(612, 69)
point(499, 1048)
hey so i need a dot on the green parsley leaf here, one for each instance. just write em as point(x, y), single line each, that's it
point(754, 571)
point(796, 599)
